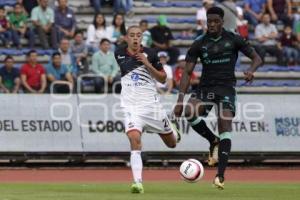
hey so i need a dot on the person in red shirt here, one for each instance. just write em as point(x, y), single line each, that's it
point(179, 71)
point(33, 75)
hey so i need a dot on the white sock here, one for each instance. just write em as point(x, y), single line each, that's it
point(136, 166)
point(173, 130)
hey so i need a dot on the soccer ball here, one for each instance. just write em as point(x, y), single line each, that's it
point(191, 170)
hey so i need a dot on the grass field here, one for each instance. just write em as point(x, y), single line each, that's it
point(153, 191)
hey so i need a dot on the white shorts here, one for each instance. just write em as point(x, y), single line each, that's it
point(153, 120)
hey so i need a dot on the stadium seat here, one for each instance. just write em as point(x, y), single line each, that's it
point(182, 20)
point(161, 4)
point(187, 4)
point(295, 69)
point(7, 2)
point(173, 20)
point(270, 83)
point(12, 52)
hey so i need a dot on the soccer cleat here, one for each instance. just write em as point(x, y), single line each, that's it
point(219, 183)
point(174, 128)
point(137, 188)
point(213, 154)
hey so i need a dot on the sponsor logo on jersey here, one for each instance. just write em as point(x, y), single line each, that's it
point(135, 77)
point(121, 57)
point(227, 44)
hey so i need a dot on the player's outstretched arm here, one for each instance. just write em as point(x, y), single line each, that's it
point(256, 62)
point(184, 85)
point(158, 75)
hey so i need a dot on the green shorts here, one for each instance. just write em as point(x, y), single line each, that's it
point(223, 98)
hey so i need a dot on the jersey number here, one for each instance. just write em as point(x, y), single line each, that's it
point(166, 123)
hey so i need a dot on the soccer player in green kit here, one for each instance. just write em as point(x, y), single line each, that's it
point(218, 51)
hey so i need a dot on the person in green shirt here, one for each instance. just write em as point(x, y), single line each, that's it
point(42, 18)
point(105, 66)
point(18, 20)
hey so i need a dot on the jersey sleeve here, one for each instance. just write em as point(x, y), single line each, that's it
point(243, 45)
point(43, 71)
point(193, 53)
point(23, 70)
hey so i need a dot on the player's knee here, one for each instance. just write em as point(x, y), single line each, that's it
point(135, 141)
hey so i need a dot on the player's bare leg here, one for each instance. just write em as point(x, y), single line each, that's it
point(193, 112)
point(225, 128)
point(169, 139)
point(136, 162)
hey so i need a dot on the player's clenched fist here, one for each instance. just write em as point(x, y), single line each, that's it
point(248, 76)
point(142, 58)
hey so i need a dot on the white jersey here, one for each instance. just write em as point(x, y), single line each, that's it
point(139, 96)
point(138, 86)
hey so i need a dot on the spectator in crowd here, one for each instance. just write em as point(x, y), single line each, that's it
point(80, 51)
point(42, 17)
point(65, 21)
point(230, 14)
point(97, 4)
point(124, 6)
point(5, 34)
point(51, 3)
point(29, 5)
point(60, 79)
point(19, 26)
point(105, 66)
point(242, 24)
point(280, 10)
point(179, 72)
point(201, 17)
point(120, 6)
point(266, 34)
point(254, 10)
point(162, 37)
point(147, 39)
point(167, 87)
point(296, 24)
point(9, 77)
point(117, 32)
point(68, 59)
point(33, 75)
point(96, 32)
point(288, 44)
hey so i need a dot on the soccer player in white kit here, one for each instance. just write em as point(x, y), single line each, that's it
point(140, 67)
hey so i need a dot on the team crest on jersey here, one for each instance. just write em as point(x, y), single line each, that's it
point(227, 44)
point(205, 55)
point(135, 77)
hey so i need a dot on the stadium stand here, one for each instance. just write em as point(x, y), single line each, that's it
point(181, 17)
point(179, 20)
